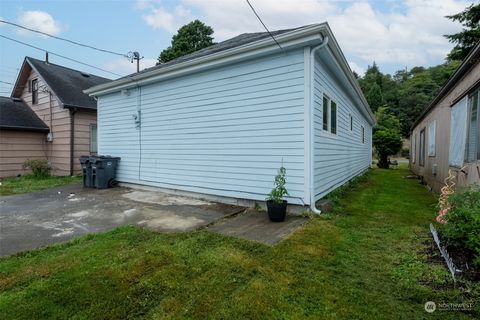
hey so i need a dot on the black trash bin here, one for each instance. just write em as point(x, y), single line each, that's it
point(85, 162)
point(103, 171)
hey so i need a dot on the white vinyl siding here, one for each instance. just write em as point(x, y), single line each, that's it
point(224, 131)
point(341, 156)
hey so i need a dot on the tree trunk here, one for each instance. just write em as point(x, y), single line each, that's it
point(383, 162)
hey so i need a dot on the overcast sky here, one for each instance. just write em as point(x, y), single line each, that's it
point(396, 34)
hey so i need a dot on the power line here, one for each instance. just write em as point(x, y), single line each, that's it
point(64, 39)
point(59, 55)
point(6, 82)
point(260, 19)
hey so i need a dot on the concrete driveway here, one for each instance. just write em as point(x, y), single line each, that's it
point(32, 220)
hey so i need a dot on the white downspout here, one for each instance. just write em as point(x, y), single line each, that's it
point(312, 133)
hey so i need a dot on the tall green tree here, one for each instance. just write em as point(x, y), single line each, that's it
point(374, 97)
point(386, 120)
point(189, 38)
point(466, 39)
point(387, 142)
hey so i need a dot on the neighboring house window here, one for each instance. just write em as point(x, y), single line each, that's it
point(363, 134)
point(421, 152)
point(473, 133)
point(414, 148)
point(351, 122)
point(93, 138)
point(34, 91)
point(431, 138)
point(458, 133)
point(329, 115)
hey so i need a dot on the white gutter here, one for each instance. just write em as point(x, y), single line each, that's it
point(311, 124)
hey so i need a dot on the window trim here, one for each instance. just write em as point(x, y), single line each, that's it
point(421, 151)
point(432, 124)
point(414, 148)
point(469, 122)
point(328, 116)
point(93, 125)
point(34, 91)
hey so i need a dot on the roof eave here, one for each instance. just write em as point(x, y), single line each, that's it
point(348, 71)
point(459, 73)
point(18, 128)
point(312, 33)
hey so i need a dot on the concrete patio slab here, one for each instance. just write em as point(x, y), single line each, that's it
point(32, 220)
point(254, 225)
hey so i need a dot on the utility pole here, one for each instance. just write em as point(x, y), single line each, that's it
point(135, 56)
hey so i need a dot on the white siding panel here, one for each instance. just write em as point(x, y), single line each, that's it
point(337, 157)
point(118, 136)
point(223, 131)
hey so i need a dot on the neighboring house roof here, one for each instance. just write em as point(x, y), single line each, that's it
point(472, 59)
point(16, 114)
point(67, 84)
point(240, 47)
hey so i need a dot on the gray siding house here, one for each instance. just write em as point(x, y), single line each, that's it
point(221, 121)
point(446, 136)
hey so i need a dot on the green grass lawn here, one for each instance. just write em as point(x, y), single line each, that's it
point(367, 260)
point(28, 183)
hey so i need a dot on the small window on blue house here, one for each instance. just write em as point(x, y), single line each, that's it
point(329, 115)
point(333, 118)
point(325, 113)
point(351, 122)
point(363, 134)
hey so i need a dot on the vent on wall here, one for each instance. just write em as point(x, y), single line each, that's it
point(434, 169)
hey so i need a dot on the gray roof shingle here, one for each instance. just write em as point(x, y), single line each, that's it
point(68, 84)
point(237, 41)
point(16, 114)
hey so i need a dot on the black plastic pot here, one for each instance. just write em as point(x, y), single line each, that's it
point(277, 211)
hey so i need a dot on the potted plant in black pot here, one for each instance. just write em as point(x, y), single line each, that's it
point(276, 206)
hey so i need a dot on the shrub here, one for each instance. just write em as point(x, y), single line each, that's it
point(462, 229)
point(279, 190)
point(40, 168)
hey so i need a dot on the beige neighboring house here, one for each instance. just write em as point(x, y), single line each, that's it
point(447, 134)
point(55, 94)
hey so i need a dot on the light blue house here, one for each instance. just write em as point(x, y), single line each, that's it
point(219, 122)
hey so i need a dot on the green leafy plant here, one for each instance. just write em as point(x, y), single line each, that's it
point(279, 190)
point(462, 228)
point(40, 168)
